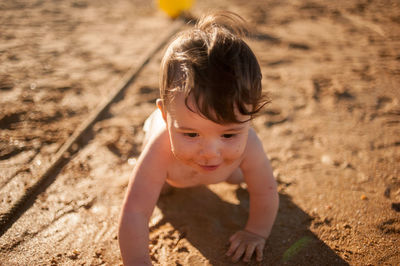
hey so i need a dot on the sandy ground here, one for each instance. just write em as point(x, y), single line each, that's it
point(332, 132)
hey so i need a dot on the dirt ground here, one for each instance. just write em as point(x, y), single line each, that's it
point(332, 133)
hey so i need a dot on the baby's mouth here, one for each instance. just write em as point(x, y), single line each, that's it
point(209, 167)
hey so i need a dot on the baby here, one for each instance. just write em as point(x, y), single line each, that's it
point(200, 134)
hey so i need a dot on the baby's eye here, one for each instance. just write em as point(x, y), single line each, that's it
point(228, 136)
point(191, 135)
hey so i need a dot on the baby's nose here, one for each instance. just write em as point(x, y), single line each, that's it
point(210, 149)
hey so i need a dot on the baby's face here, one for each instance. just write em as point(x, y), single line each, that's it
point(201, 143)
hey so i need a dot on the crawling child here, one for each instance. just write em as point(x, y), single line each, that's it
point(200, 134)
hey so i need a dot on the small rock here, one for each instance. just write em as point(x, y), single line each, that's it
point(387, 192)
point(74, 255)
point(346, 165)
point(347, 226)
point(132, 161)
point(74, 147)
point(33, 86)
point(98, 253)
point(326, 159)
point(363, 197)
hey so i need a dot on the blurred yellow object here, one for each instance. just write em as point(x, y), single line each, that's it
point(174, 8)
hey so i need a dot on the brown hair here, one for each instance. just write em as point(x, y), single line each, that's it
point(213, 64)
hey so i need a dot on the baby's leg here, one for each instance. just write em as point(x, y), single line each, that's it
point(236, 177)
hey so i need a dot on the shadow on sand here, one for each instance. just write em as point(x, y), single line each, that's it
point(207, 222)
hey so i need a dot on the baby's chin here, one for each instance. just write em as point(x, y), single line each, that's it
point(192, 162)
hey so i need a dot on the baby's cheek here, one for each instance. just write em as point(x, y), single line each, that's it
point(183, 150)
point(233, 152)
point(184, 154)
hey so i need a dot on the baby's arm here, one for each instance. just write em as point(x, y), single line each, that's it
point(141, 197)
point(264, 203)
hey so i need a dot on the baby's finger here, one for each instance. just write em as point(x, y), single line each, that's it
point(238, 253)
point(233, 237)
point(249, 252)
point(232, 248)
point(259, 252)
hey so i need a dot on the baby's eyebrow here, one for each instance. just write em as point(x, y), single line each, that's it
point(235, 129)
point(232, 129)
point(185, 128)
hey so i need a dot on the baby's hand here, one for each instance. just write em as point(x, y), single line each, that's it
point(245, 242)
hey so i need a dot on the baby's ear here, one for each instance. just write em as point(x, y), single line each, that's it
point(161, 107)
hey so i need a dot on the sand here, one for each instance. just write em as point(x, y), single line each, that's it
point(332, 133)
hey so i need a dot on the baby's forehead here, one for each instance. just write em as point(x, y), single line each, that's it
point(180, 103)
point(194, 121)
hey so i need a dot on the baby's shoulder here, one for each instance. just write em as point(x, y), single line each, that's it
point(253, 141)
point(254, 150)
point(155, 157)
point(158, 144)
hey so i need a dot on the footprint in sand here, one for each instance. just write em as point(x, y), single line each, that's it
point(390, 226)
point(324, 87)
point(275, 117)
point(392, 192)
point(8, 120)
point(149, 94)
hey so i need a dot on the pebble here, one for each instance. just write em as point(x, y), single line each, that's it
point(363, 197)
point(33, 86)
point(387, 192)
point(97, 254)
point(132, 161)
point(326, 159)
point(346, 165)
point(74, 147)
point(74, 255)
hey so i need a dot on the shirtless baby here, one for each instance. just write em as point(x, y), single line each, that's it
point(200, 134)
